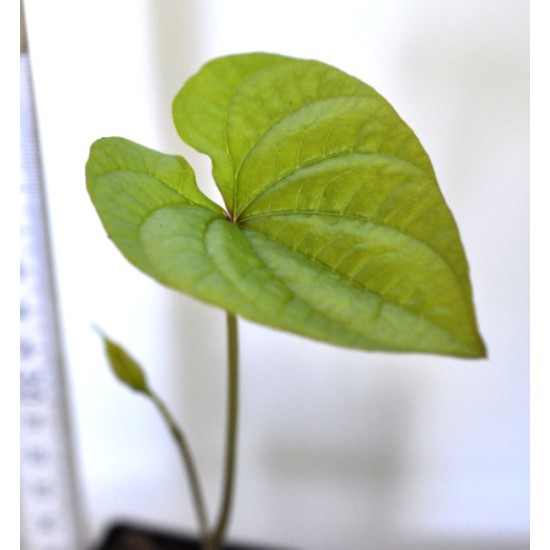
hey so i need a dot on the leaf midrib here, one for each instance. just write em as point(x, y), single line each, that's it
point(339, 215)
point(343, 277)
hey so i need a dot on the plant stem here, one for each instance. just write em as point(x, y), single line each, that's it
point(212, 540)
point(188, 461)
point(218, 533)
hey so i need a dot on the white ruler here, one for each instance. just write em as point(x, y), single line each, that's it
point(50, 518)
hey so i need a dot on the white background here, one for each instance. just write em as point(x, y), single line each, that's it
point(336, 446)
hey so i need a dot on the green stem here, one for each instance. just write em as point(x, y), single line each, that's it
point(212, 540)
point(188, 461)
point(217, 536)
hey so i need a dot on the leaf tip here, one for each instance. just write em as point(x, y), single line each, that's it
point(478, 350)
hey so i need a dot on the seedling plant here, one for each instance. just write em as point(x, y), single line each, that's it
point(333, 225)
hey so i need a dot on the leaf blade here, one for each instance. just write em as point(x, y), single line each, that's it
point(128, 182)
point(339, 230)
point(200, 110)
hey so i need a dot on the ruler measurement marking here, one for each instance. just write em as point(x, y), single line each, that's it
point(49, 514)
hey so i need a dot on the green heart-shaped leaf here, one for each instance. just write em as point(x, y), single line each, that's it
point(335, 226)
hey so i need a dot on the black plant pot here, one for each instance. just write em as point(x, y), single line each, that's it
point(126, 536)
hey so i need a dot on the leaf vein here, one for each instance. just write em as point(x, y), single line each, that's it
point(355, 283)
point(356, 217)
